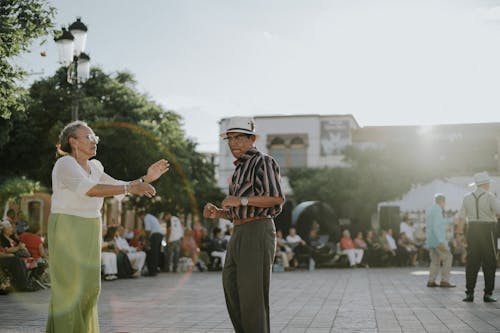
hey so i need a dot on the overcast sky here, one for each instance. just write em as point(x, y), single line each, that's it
point(402, 62)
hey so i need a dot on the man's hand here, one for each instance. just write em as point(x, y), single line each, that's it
point(231, 201)
point(210, 211)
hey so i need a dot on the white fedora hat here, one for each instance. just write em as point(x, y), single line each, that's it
point(481, 178)
point(239, 125)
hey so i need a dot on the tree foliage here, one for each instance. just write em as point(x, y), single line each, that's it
point(14, 188)
point(374, 175)
point(134, 133)
point(21, 22)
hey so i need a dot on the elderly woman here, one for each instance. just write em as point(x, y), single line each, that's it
point(8, 240)
point(8, 259)
point(79, 185)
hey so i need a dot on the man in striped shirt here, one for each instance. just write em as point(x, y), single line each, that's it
point(255, 198)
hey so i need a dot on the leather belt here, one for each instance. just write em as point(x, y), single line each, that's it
point(249, 219)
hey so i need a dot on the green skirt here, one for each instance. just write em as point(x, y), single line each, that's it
point(75, 273)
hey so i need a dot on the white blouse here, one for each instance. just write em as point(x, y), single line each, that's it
point(70, 182)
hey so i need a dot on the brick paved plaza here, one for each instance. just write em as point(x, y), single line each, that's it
point(326, 300)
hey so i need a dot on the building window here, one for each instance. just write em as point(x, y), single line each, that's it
point(278, 143)
point(297, 143)
point(290, 151)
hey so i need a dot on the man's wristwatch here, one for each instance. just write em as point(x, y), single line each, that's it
point(244, 201)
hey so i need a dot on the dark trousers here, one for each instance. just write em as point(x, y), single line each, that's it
point(17, 269)
point(247, 275)
point(153, 255)
point(481, 252)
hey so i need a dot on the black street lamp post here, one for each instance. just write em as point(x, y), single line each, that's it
point(71, 44)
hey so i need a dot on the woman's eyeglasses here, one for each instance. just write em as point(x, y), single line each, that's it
point(93, 138)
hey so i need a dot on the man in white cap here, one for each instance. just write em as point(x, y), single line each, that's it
point(255, 198)
point(480, 209)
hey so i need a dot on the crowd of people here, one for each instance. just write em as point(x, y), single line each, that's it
point(78, 254)
point(367, 248)
point(23, 255)
point(151, 247)
point(163, 244)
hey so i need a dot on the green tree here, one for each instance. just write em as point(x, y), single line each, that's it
point(21, 22)
point(374, 175)
point(134, 132)
point(14, 188)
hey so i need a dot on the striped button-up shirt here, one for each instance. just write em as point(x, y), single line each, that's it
point(256, 174)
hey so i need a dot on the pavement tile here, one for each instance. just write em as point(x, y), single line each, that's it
point(327, 300)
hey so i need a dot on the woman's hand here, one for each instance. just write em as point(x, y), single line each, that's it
point(142, 189)
point(156, 170)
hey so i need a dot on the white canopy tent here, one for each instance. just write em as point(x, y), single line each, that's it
point(421, 197)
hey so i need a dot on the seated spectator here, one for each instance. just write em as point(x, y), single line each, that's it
point(21, 224)
point(359, 242)
point(406, 250)
point(390, 239)
point(137, 258)
point(302, 252)
point(34, 243)
point(13, 264)
point(125, 269)
point(283, 251)
point(293, 240)
point(407, 227)
point(388, 246)
point(138, 239)
point(16, 271)
point(374, 254)
point(35, 246)
point(11, 244)
point(321, 250)
point(108, 258)
point(190, 250)
point(347, 246)
point(218, 246)
point(11, 217)
point(314, 239)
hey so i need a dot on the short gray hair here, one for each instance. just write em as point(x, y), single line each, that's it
point(69, 131)
point(439, 197)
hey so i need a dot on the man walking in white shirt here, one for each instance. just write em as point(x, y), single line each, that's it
point(175, 231)
point(154, 236)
